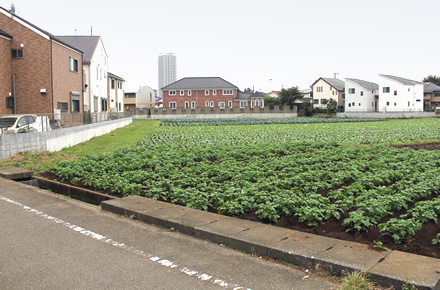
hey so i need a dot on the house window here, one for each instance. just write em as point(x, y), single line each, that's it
point(242, 104)
point(214, 92)
point(227, 92)
point(409, 103)
point(257, 103)
point(212, 104)
point(173, 105)
point(206, 92)
point(221, 105)
point(316, 101)
point(323, 101)
point(75, 106)
point(172, 93)
point(362, 93)
point(353, 104)
point(73, 64)
point(386, 89)
point(17, 53)
point(230, 104)
point(252, 103)
point(436, 94)
point(359, 104)
point(189, 92)
point(418, 100)
point(182, 92)
point(193, 105)
point(206, 104)
point(113, 84)
point(62, 106)
point(349, 105)
point(388, 103)
point(186, 105)
point(395, 93)
point(351, 91)
point(9, 102)
point(395, 104)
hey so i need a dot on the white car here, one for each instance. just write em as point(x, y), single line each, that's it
point(25, 123)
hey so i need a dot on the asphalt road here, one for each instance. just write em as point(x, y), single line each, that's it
point(51, 242)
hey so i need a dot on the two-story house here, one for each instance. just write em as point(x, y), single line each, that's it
point(361, 96)
point(325, 89)
point(116, 93)
point(431, 95)
point(95, 65)
point(39, 73)
point(144, 98)
point(398, 94)
point(200, 92)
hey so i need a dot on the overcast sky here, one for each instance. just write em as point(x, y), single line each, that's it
point(253, 43)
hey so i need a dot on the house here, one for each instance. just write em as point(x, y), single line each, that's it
point(431, 95)
point(207, 93)
point(144, 98)
point(325, 89)
point(361, 96)
point(116, 93)
point(274, 94)
point(95, 64)
point(39, 72)
point(398, 94)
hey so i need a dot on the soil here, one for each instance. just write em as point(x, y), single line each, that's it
point(421, 244)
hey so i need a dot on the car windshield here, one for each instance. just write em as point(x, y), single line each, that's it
point(7, 122)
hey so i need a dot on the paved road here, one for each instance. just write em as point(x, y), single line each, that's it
point(48, 241)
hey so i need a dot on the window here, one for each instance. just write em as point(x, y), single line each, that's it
point(323, 101)
point(353, 104)
point(242, 104)
point(62, 106)
point(388, 103)
point(212, 104)
point(349, 105)
point(214, 92)
point(73, 64)
point(436, 94)
point(319, 89)
point(206, 104)
point(359, 104)
point(418, 100)
point(395, 104)
point(113, 84)
point(206, 92)
point(182, 92)
point(193, 105)
point(316, 101)
point(75, 106)
point(227, 92)
point(74, 101)
point(230, 104)
point(186, 105)
point(172, 93)
point(386, 89)
point(409, 103)
point(17, 53)
point(395, 93)
point(351, 91)
point(9, 102)
point(189, 92)
point(221, 105)
point(409, 89)
point(362, 93)
point(257, 103)
point(173, 105)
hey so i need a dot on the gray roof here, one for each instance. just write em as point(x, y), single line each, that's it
point(199, 84)
point(243, 96)
point(367, 85)
point(402, 80)
point(430, 88)
point(258, 95)
point(115, 76)
point(336, 83)
point(51, 36)
point(87, 44)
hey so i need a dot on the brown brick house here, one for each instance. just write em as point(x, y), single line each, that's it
point(44, 72)
point(206, 93)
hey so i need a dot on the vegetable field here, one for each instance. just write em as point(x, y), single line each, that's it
point(314, 172)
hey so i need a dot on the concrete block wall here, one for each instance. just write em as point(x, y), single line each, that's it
point(387, 115)
point(56, 140)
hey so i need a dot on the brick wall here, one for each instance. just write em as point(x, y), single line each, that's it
point(5, 74)
point(199, 97)
point(65, 81)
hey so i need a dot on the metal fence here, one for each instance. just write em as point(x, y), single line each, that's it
point(24, 123)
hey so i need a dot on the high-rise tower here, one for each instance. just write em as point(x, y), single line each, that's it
point(167, 70)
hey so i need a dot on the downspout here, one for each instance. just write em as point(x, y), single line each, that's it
point(13, 91)
point(51, 73)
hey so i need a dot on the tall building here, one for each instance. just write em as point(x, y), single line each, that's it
point(167, 70)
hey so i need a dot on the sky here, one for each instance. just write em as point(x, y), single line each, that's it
point(262, 45)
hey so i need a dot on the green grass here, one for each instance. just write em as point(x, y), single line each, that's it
point(123, 137)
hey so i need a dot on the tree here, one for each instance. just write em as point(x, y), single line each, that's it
point(432, 79)
point(271, 102)
point(248, 91)
point(332, 105)
point(288, 96)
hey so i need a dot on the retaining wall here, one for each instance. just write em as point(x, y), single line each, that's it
point(57, 139)
point(386, 115)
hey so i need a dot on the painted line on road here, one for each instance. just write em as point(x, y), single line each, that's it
point(160, 261)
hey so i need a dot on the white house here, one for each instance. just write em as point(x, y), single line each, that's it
point(400, 95)
point(325, 89)
point(361, 96)
point(116, 93)
point(95, 66)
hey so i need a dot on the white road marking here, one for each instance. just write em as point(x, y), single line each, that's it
point(104, 239)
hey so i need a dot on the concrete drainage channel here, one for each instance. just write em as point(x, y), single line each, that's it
point(389, 268)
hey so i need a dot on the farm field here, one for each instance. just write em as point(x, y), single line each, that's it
point(335, 179)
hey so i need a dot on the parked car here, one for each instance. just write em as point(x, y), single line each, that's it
point(11, 124)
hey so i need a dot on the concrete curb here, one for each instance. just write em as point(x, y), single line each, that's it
point(389, 268)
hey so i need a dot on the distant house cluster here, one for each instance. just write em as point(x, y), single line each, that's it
point(43, 73)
